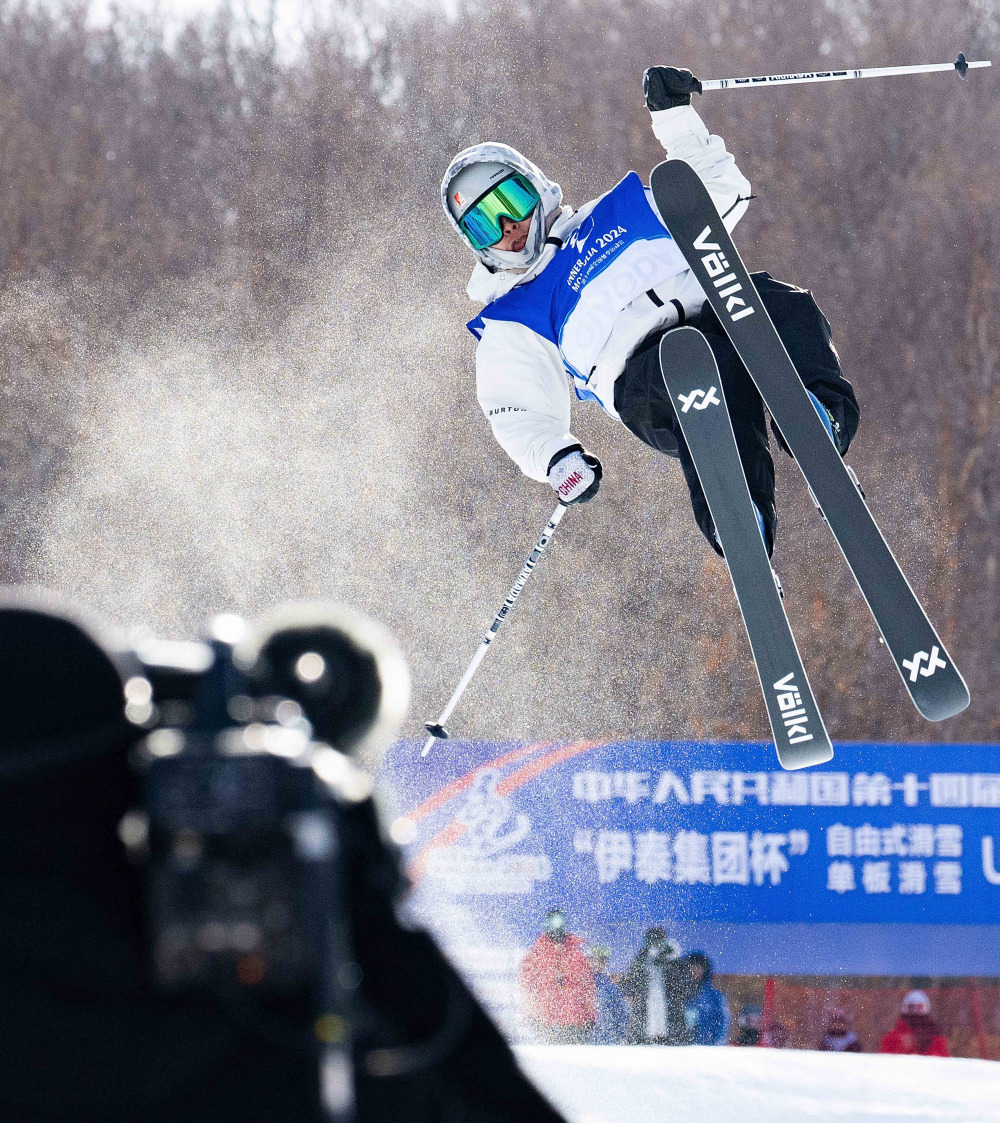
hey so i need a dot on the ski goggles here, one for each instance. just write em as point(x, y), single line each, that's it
point(514, 197)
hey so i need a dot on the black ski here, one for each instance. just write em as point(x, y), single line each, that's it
point(692, 380)
point(934, 683)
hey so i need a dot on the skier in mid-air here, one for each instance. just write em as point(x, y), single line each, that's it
point(625, 297)
point(589, 293)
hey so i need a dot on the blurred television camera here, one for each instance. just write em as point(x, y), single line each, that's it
point(199, 910)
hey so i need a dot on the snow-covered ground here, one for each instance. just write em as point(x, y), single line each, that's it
point(594, 1084)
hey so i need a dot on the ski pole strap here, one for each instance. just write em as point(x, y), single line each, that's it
point(960, 65)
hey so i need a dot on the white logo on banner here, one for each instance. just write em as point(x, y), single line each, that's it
point(694, 399)
point(933, 663)
point(491, 823)
point(482, 862)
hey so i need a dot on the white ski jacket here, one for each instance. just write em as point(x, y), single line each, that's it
point(521, 379)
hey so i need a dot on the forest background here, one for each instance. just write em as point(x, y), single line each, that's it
point(234, 369)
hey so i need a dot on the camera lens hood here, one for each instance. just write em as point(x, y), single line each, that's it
point(344, 670)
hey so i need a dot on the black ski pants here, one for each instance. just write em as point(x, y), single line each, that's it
point(644, 406)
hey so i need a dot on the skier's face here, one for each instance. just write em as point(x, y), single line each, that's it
point(515, 234)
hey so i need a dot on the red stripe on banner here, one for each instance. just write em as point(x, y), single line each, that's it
point(445, 837)
point(463, 783)
point(516, 779)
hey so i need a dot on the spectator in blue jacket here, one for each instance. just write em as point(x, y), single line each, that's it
point(707, 1013)
point(614, 1014)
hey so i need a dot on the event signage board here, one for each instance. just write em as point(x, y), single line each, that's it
point(679, 833)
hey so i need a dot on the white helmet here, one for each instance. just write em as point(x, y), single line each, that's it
point(916, 1002)
point(472, 173)
point(472, 182)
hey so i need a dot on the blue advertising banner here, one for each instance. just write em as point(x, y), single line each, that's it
point(716, 842)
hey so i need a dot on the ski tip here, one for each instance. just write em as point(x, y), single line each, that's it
point(943, 705)
point(686, 344)
point(815, 752)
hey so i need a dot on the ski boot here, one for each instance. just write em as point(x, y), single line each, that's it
point(763, 533)
point(832, 428)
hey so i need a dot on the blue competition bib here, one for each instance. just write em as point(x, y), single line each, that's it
point(618, 252)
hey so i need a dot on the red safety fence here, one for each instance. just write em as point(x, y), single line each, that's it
point(967, 1010)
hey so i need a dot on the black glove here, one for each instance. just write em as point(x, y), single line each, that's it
point(665, 87)
point(575, 475)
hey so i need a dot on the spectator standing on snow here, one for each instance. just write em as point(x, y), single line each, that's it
point(839, 1037)
point(658, 984)
point(613, 1012)
point(778, 1037)
point(558, 995)
point(706, 1012)
point(748, 1024)
point(915, 1031)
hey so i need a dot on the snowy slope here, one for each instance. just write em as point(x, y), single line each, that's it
point(593, 1084)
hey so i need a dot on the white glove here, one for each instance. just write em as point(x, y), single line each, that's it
point(575, 475)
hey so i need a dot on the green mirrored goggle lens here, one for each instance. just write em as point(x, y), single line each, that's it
point(514, 198)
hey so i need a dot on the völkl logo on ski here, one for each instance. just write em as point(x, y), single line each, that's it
point(716, 265)
point(934, 662)
point(793, 713)
point(699, 399)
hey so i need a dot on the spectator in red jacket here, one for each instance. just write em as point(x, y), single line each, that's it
point(916, 1031)
point(558, 995)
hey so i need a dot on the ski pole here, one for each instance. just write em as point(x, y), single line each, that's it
point(436, 728)
point(840, 75)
